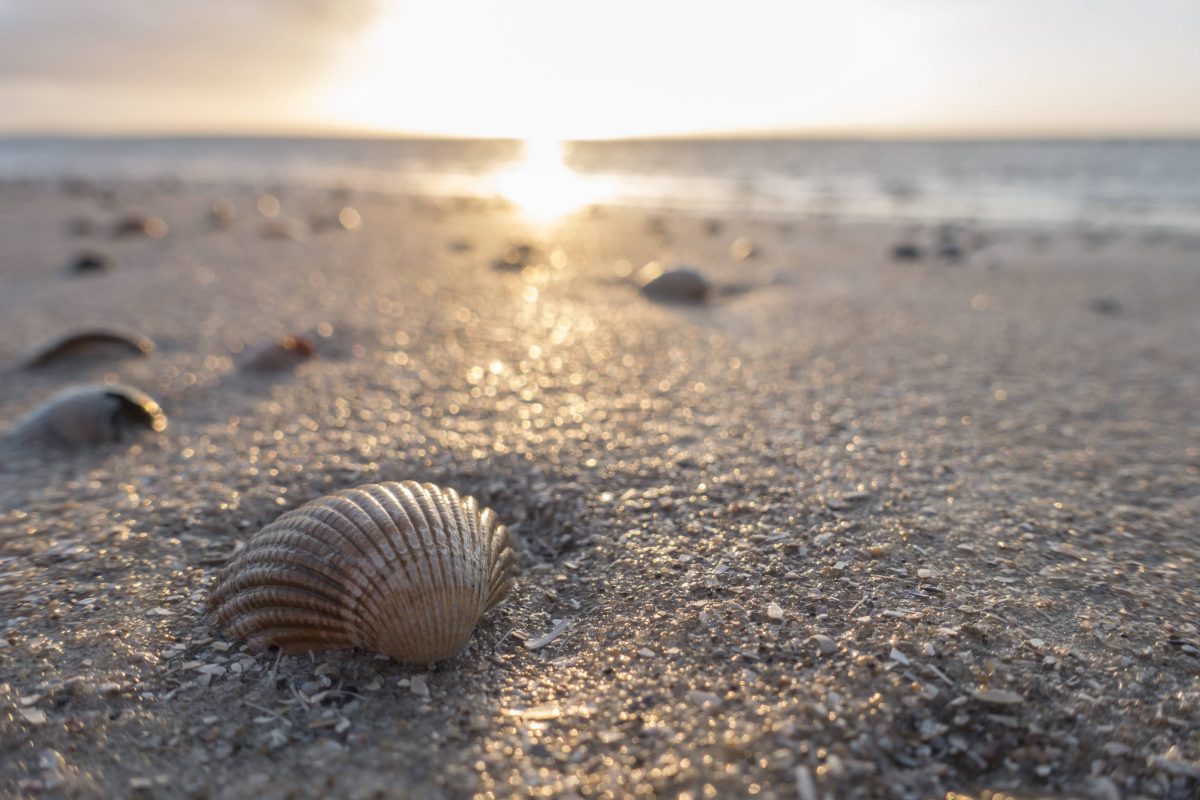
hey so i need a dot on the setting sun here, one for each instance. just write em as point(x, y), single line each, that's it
point(542, 185)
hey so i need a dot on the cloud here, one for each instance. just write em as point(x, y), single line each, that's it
point(131, 53)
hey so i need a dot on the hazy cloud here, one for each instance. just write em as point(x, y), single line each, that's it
point(135, 52)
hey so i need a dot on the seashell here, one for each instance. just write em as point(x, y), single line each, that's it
point(406, 569)
point(89, 263)
point(140, 225)
point(286, 352)
point(85, 345)
point(88, 415)
point(680, 285)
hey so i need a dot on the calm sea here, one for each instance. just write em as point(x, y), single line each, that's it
point(1152, 183)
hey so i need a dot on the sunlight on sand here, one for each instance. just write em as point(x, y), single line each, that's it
point(542, 184)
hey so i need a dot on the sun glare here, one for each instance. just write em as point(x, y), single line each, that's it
point(542, 185)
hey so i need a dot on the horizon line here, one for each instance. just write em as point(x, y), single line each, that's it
point(745, 134)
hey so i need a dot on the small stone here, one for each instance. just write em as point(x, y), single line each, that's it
point(775, 611)
point(90, 263)
point(825, 645)
point(898, 657)
point(419, 687)
point(906, 251)
point(34, 716)
point(680, 285)
point(646, 652)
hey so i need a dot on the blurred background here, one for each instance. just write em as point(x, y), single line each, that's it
point(1025, 111)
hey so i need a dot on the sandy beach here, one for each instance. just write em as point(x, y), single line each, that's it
point(855, 527)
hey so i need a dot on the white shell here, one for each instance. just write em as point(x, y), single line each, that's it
point(88, 415)
point(406, 569)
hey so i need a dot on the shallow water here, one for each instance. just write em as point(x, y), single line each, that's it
point(1086, 182)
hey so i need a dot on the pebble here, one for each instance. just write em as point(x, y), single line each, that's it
point(906, 252)
point(681, 285)
point(34, 716)
point(775, 611)
point(825, 645)
point(90, 263)
point(419, 687)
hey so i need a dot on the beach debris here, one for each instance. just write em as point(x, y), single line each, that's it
point(88, 415)
point(998, 697)
point(405, 569)
point(517, 257)
point(541, 641)
point(222, 213)
point(825, 645)
point(139, 225)
point(88, 345)
point(1106, 304)
point(285, 228)
point(89, 263)
point(742, 249)
point(907, 251)
point(679, 285)
point(283, 353)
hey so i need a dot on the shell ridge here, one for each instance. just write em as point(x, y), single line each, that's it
point(388, 524)
point(472, 562)
point(424, 543)
point(331, 517)
point(376, 562)
point(456, 570)
point(260, 576)
point(395, 636)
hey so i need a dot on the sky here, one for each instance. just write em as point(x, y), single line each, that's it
point(548, 69)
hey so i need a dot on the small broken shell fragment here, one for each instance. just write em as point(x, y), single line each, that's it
point(679, 285)
point(86, 346)
point(405, 569)
point(284, 353)
point(88, 415)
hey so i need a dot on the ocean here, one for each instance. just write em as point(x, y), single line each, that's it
point(1124, 183)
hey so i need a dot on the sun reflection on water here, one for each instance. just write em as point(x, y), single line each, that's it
point(542, 184)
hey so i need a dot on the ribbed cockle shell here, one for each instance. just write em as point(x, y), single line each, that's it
point(88, 415)
point(406, 569)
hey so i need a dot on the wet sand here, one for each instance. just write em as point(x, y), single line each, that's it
point(855, 528)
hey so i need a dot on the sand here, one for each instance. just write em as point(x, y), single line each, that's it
point(854, 528)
